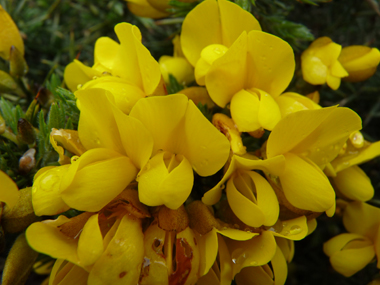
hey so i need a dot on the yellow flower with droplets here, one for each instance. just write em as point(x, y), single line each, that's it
point(320, 63)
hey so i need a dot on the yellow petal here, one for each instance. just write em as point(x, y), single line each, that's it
point(291, 102)
point(179, 67)
point(275, 166)
point(270, 63)
point(280, 267)
point(95, 178)
point(206, 148)
point(46, 238)
point(66, 273)
point(104, 52)
point(167, 179)
point(124, 93)
point(136, 139)
point(332, 81)
point(46, 191)
point(313, 70)
point(359, 61)
point(9, 35)
point(338, 242)
point(254, 252)
point(142, 8)
point(231, 67)
point(244, 111)
point(134, 61)
point(122, 259)
point(90, 244)
point(305, 186)
point(287, 248)
point(208, 247)
point(163, 117)
point(214, 23)
point(269, 112)
point(225, 262)
point(236, 234)
point(317, 134)
point(354, 184)
point(254, 276)
point(294, 229)
point(77, 73)
point(253, 210)
point(97, 126)
point(361, 218)
point(8, 189)
point(349, 261)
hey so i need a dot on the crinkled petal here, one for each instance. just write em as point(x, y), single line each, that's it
point(134, 61)
point(46, 238)
point(160, 184)
point(354, 184)
point(121, 261)
point(245, 111)
point(69, 139)
point(97, 177)
point(270, 63)
point(205, 147)
point(90, 244)
point(104, 52)
point(97, 126)
point(231, 68)
point(254, 252)
point(361, 218)
point(305, 186)
point(8, 189)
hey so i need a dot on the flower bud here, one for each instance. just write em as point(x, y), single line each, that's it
point(27, 161)
point(26, 133)
point(19, 262)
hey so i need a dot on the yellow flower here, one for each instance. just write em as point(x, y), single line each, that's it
point(9, 193)
point(143, 8)
point(320, 63)
point(127, 69)
point(258, 67)
point(351, 252)
point(9, 35)
point(214, 22)
point(309, 140)
point(359, 61)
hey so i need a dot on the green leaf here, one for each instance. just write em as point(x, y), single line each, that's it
point(245, 4)
point(173, 86)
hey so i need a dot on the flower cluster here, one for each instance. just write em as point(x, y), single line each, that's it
point(166, 196)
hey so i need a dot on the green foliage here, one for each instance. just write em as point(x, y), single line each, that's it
point(181, 9)
point(207, 112)
point(11, 114)
point(173, 86)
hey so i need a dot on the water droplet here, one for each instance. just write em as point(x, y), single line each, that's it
point(295, 230)
point(253, 263)
point(48, 182)
point(286, 233)
point(79, 86)
point(234, 260)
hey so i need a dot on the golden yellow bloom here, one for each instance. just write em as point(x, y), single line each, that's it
point(9, 35)
point(351, 252)
point(9, 193)
point(320, 63)
point(359, 61)
point(127, 69)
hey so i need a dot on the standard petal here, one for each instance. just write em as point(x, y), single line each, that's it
point(269, 111)
point(305, 186)
point(9, 35)
point(97, 126)
point(254, 275)
point(134, 61)
point(97, 177)
point(205, 147)
point(270, 63)
point(338, 242)
point(122, 259)
point(90, 244)
point(8, 189)
point(208, 247)
point(231, 67)
point(167, 179)
point(354, 184)
point(104, 52)
point(294, 229)
point(245, 110)
point(361, 218)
